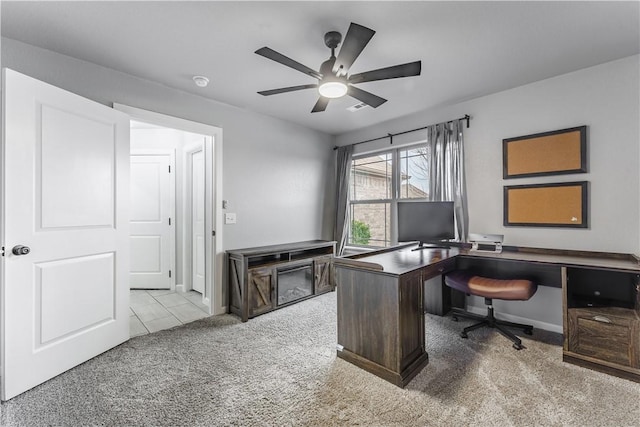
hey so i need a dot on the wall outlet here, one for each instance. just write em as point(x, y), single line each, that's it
point(229, 218)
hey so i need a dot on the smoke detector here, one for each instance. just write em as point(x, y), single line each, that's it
point(200, 81)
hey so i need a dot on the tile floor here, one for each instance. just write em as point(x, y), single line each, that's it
point(155, 310)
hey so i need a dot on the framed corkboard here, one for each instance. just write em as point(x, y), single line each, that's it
point(546, 205)
point(549, 153)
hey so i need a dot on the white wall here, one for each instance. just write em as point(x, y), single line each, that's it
point(606, 98)
point(278, 177)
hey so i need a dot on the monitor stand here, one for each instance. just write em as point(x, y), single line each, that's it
point(422, 246)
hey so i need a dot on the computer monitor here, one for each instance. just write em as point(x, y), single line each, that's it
point(430, 223)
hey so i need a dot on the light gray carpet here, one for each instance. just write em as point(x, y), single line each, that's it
point(280, 369)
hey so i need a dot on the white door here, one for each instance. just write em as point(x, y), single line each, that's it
point(197, 221)
point(152, 221)
point(65, 172)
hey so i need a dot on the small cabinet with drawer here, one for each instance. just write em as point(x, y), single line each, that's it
point(602, 324)
point(610, 334)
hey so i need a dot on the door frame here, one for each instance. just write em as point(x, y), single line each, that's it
point(172, 202)
point(187, 181)
point(214, 260)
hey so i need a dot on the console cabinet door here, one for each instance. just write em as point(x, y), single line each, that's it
point(322, 276)
point(236, 270)
point(261, 288)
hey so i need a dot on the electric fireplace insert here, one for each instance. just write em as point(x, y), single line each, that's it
point(294, 283)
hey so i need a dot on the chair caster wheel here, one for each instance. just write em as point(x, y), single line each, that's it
point(528, 331)
point(517, 346)
point(454, 318)
point(464, 335)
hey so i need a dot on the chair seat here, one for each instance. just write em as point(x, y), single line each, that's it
point(511, 289)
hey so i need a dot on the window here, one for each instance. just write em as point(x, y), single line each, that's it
point(377, 183)
point(371, 177)
point(414, 173)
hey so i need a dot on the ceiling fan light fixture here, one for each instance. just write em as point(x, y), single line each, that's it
point(332, 89)
point(333, 77)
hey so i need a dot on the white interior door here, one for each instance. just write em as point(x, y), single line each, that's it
point(65, 173)
point(152, 221)
point(197, 221)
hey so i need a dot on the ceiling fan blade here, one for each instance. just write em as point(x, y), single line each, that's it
point(368, 98)
point(286, 89)
point(354, 42)
point(284, 60)
point(321, 105)
point(404, 70)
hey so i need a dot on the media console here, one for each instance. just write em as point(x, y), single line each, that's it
point(266, 278)
point(381, 304)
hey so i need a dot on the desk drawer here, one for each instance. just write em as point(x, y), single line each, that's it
point(438, 269)
point(609, 334)
point(437, 296)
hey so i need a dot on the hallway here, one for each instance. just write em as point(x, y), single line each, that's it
point(154, 310)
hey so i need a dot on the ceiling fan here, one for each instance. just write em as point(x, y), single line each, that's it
point(334, 80)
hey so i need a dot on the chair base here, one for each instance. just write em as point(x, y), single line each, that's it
point(491, 322)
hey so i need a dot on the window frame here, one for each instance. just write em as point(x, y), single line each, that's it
point(392, 201)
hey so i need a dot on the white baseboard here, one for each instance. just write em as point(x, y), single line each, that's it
point(517, 319)
point(180, 288)
point(220, 310)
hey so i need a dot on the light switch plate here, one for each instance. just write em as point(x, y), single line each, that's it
point(230, 218)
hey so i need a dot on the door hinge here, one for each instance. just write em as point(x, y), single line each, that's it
point(169, 168)
point(213, 233)
point(3, 251)
point(169, 274)
point(169, 221)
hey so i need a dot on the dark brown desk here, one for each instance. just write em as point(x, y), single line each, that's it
point(380, 310)
point(381, 304)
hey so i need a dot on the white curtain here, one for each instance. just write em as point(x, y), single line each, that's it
point(343, 171)
point(446, 165)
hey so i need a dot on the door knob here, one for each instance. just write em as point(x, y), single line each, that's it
point(20, 250)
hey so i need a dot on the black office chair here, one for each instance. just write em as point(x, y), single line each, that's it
point(516, 289)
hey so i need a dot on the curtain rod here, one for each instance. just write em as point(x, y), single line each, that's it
point(391, 135)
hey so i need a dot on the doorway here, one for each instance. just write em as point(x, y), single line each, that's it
point(197, 171)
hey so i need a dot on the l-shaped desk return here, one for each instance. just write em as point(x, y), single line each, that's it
point(381, 304)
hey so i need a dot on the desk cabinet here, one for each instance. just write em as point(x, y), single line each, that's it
point(381, 310)
point(602, 321)
point(607, 334)
point(381, 323)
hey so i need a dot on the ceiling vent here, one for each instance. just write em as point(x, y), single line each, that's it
point(357, 107)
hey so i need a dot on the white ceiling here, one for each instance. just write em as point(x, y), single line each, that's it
point(467, 49)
